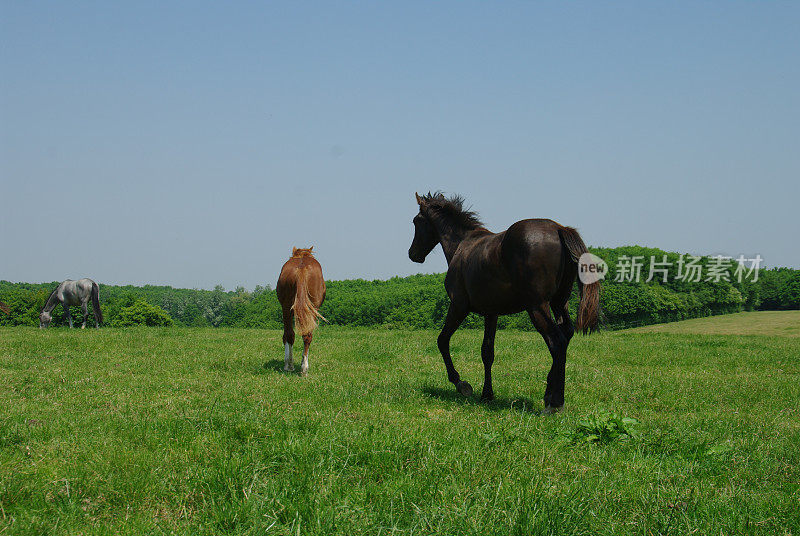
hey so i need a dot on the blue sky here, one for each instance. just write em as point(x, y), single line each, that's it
point(194, 144)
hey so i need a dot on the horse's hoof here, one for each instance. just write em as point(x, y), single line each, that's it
point(549, 410)
point(487, 397)
point(304, 372)
point(464, 388)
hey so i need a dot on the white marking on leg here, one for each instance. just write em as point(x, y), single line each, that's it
point(288, 365)
point(304, 365)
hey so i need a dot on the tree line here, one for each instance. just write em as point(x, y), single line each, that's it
point(420, 302)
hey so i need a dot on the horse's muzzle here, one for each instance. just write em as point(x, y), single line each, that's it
point(415, 257)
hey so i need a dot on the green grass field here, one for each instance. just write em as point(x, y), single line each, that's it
point(183, 431)
point(779, 323)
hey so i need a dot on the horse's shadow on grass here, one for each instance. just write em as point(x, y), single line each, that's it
point(274, 365)
point(520, 404)
point(271, 365)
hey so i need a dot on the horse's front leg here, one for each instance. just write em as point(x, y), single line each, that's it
point(487, 355)
point(455, 316)
point(69, 316)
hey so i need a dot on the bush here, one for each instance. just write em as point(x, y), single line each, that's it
point(142, 313)
point(420, 301)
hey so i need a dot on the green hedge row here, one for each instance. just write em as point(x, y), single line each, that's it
point(420, 302)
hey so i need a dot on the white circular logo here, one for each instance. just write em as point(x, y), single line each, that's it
point(591, 268)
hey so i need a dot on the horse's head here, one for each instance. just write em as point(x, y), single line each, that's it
point(302, 252)
point(44, 320)
point(425, 238)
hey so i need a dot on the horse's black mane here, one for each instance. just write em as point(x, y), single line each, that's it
point(436, 205)
point(47, 301)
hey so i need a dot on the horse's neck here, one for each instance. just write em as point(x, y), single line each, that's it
point(450, 237)
point(52, 301)
point(450, 243)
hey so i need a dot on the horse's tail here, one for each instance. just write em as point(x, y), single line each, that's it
point(96, 302)
point(589, 306)
point(305, 314)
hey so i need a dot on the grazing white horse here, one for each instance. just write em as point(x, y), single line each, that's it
point(71, 293)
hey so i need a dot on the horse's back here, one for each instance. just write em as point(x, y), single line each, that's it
point(67, 291)
point(504, 273)
point(85, 285)
point(75, 292)
point(528, 239)
point(296, 267)
point(532, 253)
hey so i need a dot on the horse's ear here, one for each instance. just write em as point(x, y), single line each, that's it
point(419, 199)
point(311, 249)
point(294, 251)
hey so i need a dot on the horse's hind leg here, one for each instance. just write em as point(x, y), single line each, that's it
point(306, 348)
point(557, 344)
point(563, 321)
point(487, 355)
point(85, 315)
point(288, 339)
point(560, 300)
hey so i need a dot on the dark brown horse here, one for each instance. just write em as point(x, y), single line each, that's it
point(530, 267)
point(301, 291)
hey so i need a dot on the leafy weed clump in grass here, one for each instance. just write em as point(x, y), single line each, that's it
point(603, 428)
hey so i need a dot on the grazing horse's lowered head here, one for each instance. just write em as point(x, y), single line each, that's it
point(531, 266)
point(44, 320)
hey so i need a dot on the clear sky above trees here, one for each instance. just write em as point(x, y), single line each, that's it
point(193, 144)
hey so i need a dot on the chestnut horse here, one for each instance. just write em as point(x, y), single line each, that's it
point(301, 291)
point(530, 267)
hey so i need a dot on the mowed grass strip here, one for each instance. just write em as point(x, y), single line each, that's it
point(778, 323)
point(198, 431)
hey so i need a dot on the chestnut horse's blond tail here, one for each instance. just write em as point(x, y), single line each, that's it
point(305, 314)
